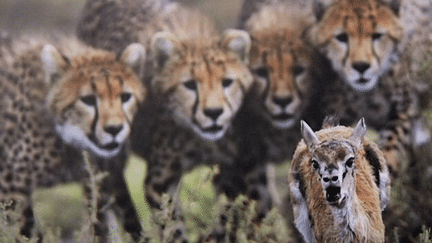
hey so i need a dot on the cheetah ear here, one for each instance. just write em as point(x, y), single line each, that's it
point(134, 55)
point(358, 133)
point(308, 135)
point(394, 5)
point(238, 42)
point(164, 46)
point(319, 7)
point(54, 63)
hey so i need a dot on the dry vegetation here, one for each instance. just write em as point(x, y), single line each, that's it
point(61, 211)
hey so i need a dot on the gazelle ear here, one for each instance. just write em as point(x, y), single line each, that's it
point(358, 133)
point(134, 55)
point(308, 135)
point(164, 46)
point(238, 42)
point(54, 63)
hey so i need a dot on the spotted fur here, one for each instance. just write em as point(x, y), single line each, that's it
point(53, 107)
point(372, 33)
point(283, 67)
point(281, 61)
point(360, 38)
point(198, 82)
point(189, 57)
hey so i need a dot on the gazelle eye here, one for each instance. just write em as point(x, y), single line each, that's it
point(89, 100)
point(350, 162)
point(191, 84)
point(343, 37)
point(315, 164)
point(125, 97)
point(376, 36)
point(226, 82)
point(262, 72)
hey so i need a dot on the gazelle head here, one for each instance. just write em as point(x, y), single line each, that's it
point(334, 161)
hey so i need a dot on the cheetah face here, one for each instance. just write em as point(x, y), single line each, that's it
point(94, 97)
point(361, 40)
point(281, 71)
point(202, 87)
point(208, 101)
point(281, 62)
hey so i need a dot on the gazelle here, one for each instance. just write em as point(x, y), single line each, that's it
point(339, 184)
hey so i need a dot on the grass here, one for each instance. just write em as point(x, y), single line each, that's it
point(60, 210)
point(63, 206)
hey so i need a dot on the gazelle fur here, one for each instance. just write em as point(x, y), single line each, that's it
point(339, 184)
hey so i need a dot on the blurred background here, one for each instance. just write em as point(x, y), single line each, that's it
point(26, 16)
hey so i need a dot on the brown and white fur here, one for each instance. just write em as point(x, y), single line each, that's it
point(339, 184)
point(55, 103)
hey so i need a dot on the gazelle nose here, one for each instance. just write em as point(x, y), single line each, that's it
point(333, 193)
point(282, 102)
point(361, 67)
point(213, 113)
point(332, 179)
point(113, 130)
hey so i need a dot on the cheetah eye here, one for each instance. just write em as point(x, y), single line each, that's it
point(376, 36)
point(125, 97)
point(350, 162)
point(191, 84)
point(89, 100)
point(226, 82)
point(297, 70)
point(315, 164)
point(343, 37)
point(262, 72)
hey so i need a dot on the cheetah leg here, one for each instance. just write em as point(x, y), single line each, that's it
point(257, 189)
point(271, 186)
point(395, 142)
point(18, 217)
point(161, 187)
point(231, 182)
point(235, 180)
point(109, 194)
point(123, 205)
point(252, 182)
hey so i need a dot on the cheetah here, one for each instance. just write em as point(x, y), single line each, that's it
point(196, 88)
point(283, 67)
point(368, 81)
point(56, 103)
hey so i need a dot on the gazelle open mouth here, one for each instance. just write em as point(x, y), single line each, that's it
point(333, 194)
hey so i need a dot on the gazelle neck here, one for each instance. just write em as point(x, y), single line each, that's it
point(351, 220)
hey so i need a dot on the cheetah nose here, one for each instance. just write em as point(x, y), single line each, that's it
point(361, 67)
point(113, 130)
point(213, 113)
point(282, 101)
